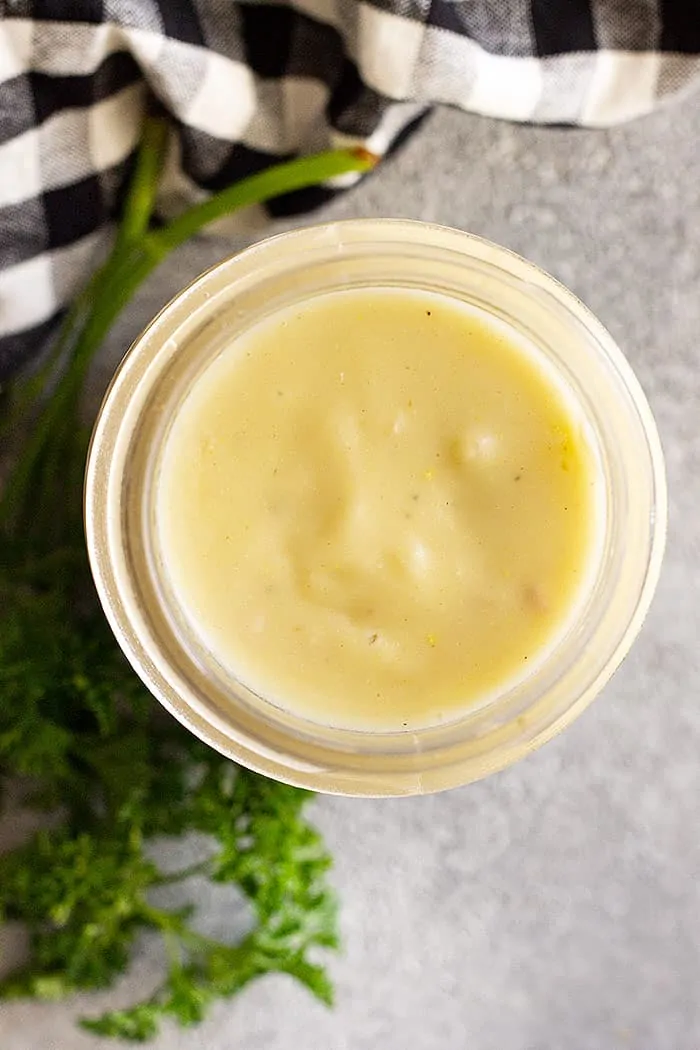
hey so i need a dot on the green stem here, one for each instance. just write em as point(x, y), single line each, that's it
point(56, 416)
point(136, 253)
point(26, 395)
point(174, 925)
point(141, 199)
point(283, 178)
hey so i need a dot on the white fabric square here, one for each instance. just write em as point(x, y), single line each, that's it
point(505, 86)
point(114, 126)
point(225, 102)
point(143, 45)
point(143, 14)
point(71, 48)
point(265, 130)
point(565, 83)
point(176, 74)
point(446, 70)
point(15, 47)
point(64, 156)
point(623, 86)
point(388, 47)
point(287, 113)
point(303, 106)
point(26, 294)
point(19, 164)
point(76, 48)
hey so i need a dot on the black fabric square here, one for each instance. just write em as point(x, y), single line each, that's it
point(354, 108)
point(20, 348)
point(220, 22)
point(446, 15)
point(202, 154)
point(500, 28)
point(279, 42)
point(114, 185)
point(68, 11)
point(563, 28)
point(267, 38)
point(316, 50)
point(300, 201)
point(22, 231)
point(180, 21)
point(53, 94)
point(680, 20)
point(119, 70)
point(73, 211)
point(16, 107)
point(236, 161)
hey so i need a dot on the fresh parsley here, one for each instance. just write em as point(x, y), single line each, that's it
point(84, 740)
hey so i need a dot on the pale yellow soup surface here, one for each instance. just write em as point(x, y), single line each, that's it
point(376, 508)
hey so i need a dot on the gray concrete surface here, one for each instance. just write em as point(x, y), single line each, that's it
point(555, 906)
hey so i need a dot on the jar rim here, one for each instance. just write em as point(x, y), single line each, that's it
point(337, 761)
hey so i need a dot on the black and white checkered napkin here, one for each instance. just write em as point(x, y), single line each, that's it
point(248, 83)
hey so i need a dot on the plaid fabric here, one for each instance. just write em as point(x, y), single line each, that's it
point(248, 83)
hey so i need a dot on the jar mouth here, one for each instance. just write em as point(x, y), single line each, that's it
point(121, 479)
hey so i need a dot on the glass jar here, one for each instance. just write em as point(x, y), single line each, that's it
point(200, 323)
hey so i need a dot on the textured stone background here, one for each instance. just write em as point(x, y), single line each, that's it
point(555, 906)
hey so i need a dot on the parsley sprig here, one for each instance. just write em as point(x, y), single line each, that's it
point(81, 735)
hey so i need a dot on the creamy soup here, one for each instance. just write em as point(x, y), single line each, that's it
point(377, 508)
